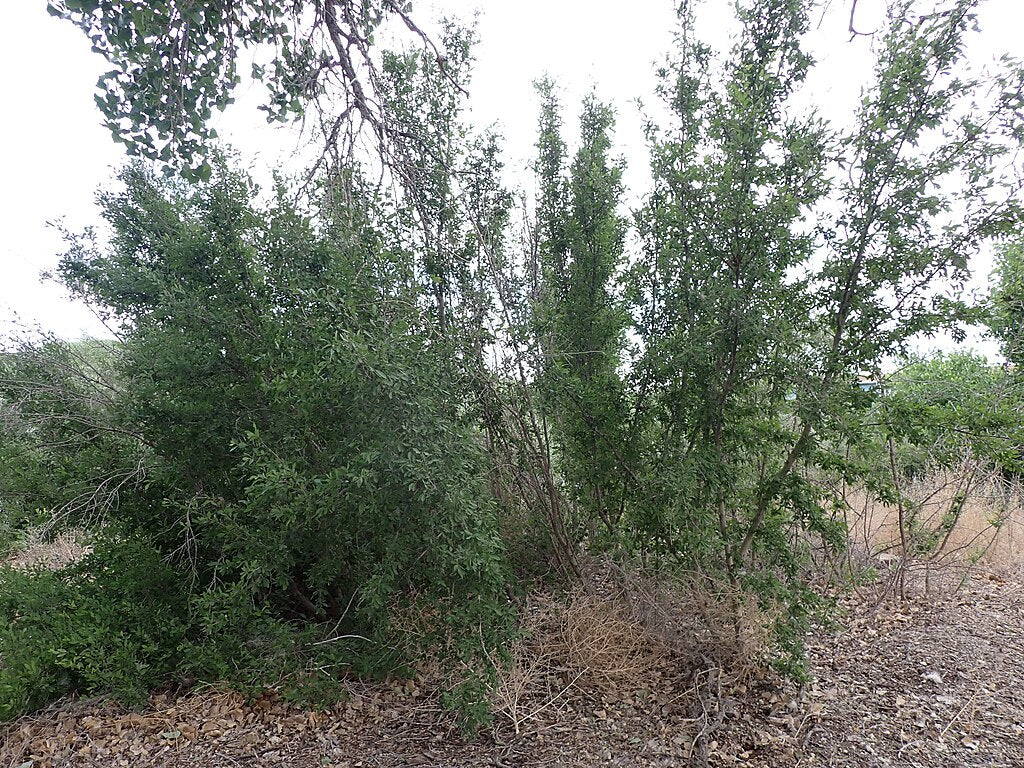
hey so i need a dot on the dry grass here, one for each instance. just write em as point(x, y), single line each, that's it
point(581, 641)
point(954, 522)
point(987, 527)
point(596, 640)
point(621, 632)
point(709, 623)
point(39, 551)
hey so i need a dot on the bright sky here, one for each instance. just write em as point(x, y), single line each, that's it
point(55, 154)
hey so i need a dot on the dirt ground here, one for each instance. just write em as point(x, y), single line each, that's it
point(936, 682)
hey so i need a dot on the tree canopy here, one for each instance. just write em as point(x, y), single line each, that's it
point(175, 61)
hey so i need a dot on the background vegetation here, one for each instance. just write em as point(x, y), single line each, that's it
point(342, 424)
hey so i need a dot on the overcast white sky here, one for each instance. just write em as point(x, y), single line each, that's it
point(55, 153)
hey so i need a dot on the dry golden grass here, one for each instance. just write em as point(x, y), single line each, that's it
point(621, 632)
point(54, 553)
point(582, 640)
point(986, 528)
point(595, 639)
point(706, 622)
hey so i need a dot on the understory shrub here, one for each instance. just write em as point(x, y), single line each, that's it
point(286, 435)
point(111, 623)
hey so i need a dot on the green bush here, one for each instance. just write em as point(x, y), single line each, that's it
point(282, 428)
point(111, 623)
point(8, 534)
point(947, 407)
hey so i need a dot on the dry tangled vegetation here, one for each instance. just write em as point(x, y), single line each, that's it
point(627, 672)
point(57, 551)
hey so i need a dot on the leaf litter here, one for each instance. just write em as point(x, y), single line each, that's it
point(918, 684)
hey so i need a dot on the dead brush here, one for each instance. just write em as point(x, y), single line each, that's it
point(582, 641)
point(522, 689)
point(60, 551)
point(712, 623)
point(715, 633)
point(946, 525)
point(703, 622)
point(600, 640)
point(622, 631)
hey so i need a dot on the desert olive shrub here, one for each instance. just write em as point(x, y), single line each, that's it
point(303, 457)
point(112, 623)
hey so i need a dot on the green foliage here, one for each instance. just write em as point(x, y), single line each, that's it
point(579, 319)
point(1007, 303)
point(948, 416)
point(751, 350)
point(119, 623)
point(453, 211)
point(318, 416)
point(112, 623)
point(780, 258)
point(63, 445)
point(300, 438)
point(722, 305)
point(174, 61)
point(954, 406)
point(8, 533)
point(317, 460)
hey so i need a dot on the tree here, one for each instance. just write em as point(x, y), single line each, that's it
point(580, 319)
point(1006, 318)
point(174, 61)
point(781, 258)
point(720, 305)
point(948, 409)
point(939, 430)
point(454, 207)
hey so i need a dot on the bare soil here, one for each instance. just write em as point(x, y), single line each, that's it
point(929, 682)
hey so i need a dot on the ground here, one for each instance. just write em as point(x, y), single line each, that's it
point(930, 681)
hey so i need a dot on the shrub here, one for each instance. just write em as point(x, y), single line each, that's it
point(294, 450)
point(111, 623)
